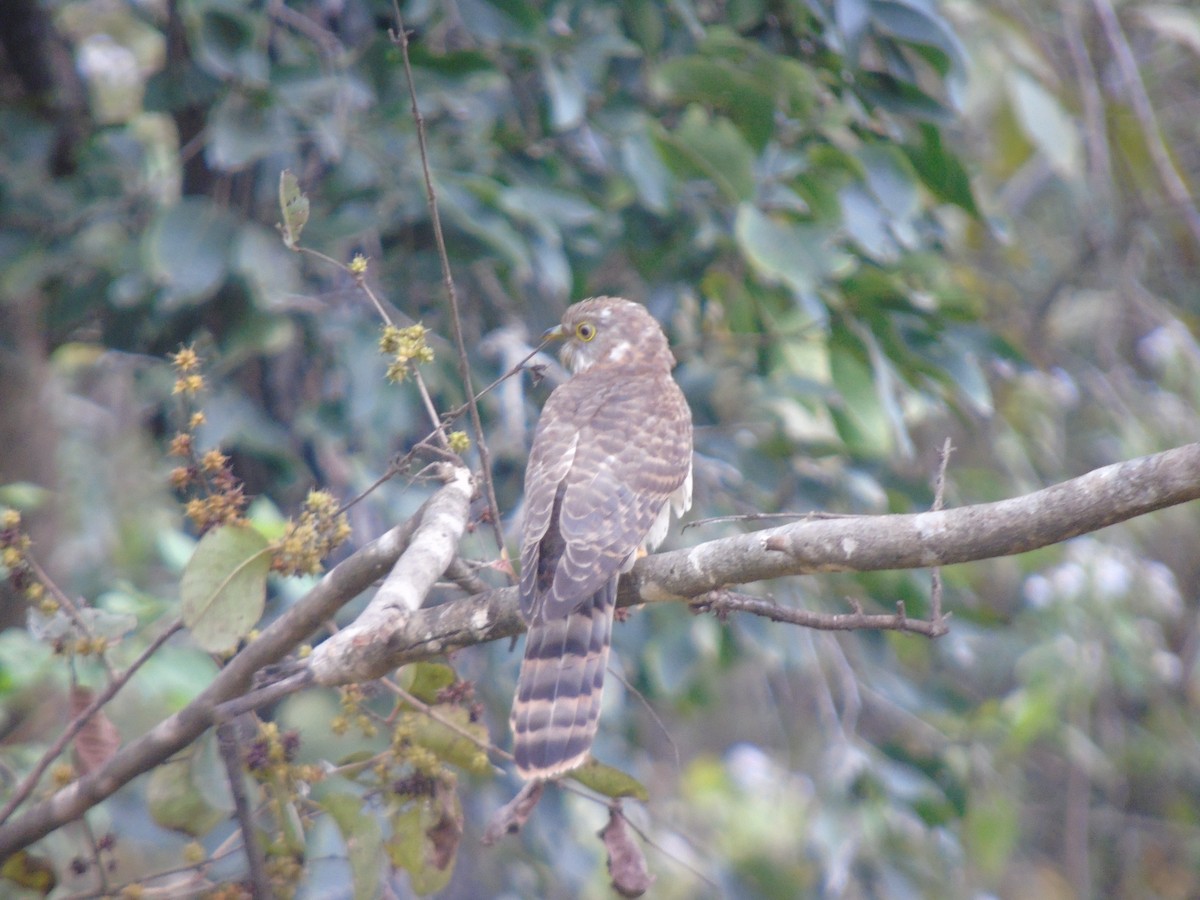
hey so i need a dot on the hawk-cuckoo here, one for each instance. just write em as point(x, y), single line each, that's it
point(611, 457)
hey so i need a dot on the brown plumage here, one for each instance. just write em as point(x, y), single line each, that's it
point(611, 457)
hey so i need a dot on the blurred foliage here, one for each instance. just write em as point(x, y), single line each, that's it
point(867, 224)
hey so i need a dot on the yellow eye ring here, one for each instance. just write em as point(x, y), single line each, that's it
point(585, 331)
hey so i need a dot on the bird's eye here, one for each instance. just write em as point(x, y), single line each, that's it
point(585, 331)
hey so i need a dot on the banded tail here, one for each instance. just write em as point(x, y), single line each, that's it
point(557, 706)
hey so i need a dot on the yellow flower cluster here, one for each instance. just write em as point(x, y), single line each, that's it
point(14, 557)
point(189, 381)
point(352, 713)
point(316, 533)
point(407, 347)
point(218, 496)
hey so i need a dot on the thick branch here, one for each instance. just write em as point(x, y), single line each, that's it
point(855, 543)
point(936, 538)
point(923, 540)
point(360, 651)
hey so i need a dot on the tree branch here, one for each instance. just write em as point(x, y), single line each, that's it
point(359, 652)
point(849, 544)
point(857, 543)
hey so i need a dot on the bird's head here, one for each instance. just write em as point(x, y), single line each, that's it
point(610, 331)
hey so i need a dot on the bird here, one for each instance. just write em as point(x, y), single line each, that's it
point(611, 459)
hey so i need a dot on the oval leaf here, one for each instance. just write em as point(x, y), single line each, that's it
point(293, 205)
point(610, 782)
point(175, 802)
point(793, 254)
point(364, 842)
point(425, 839)
point(98, 739)
point(224, 586)
point(450, 745)
point(425, 680)
point(187, 249)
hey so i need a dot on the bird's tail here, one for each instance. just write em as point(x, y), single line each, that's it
point(557, 706)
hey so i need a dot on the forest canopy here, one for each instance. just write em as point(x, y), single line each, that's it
point(272, 283)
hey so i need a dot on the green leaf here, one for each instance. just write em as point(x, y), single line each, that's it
point(425, 680)
point(866, 224)
point(721, 84)
point(941, 171)
point(424, 841)
point(24, 495)
point(175, 801)
point(566, 95)
point(646, 170)
point(449, 744)
point(712, 148)
point(224, 586)
point(914, 22)
point(364, 842)
point(224, 40)
point(901, 98)
point(991, 829)
point(783, 252)
point(243, 130)
point(861, 419)
point(186, 249)
point(294, 207)
point(1047, 125)
point(610, 782)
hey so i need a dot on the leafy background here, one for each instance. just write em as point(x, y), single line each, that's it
point(867, 224)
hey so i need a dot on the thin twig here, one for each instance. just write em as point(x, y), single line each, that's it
point(723, 602)
point(460, 573)
point(400, 38)
point(424, 708)
point(1172, 181)
point(101, 873)
point(265, 695)
point(582, 790)
point(72, 611)
point(662, 726)
point(231, 756)
point(76, 725)
point(939, 502)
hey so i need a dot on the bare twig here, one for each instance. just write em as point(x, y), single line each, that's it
point(654, 716)
point(939, 501)
point(1172, 181)
point(25, 788)
point(400, 38)
point(231, 756)
point(724, 602)
point(97, 858)
point(73, 613)
point(425, 709)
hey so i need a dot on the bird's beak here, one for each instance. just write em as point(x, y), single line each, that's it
point(557, 333)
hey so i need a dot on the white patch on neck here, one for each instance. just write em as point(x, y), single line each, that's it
point(620, 352)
